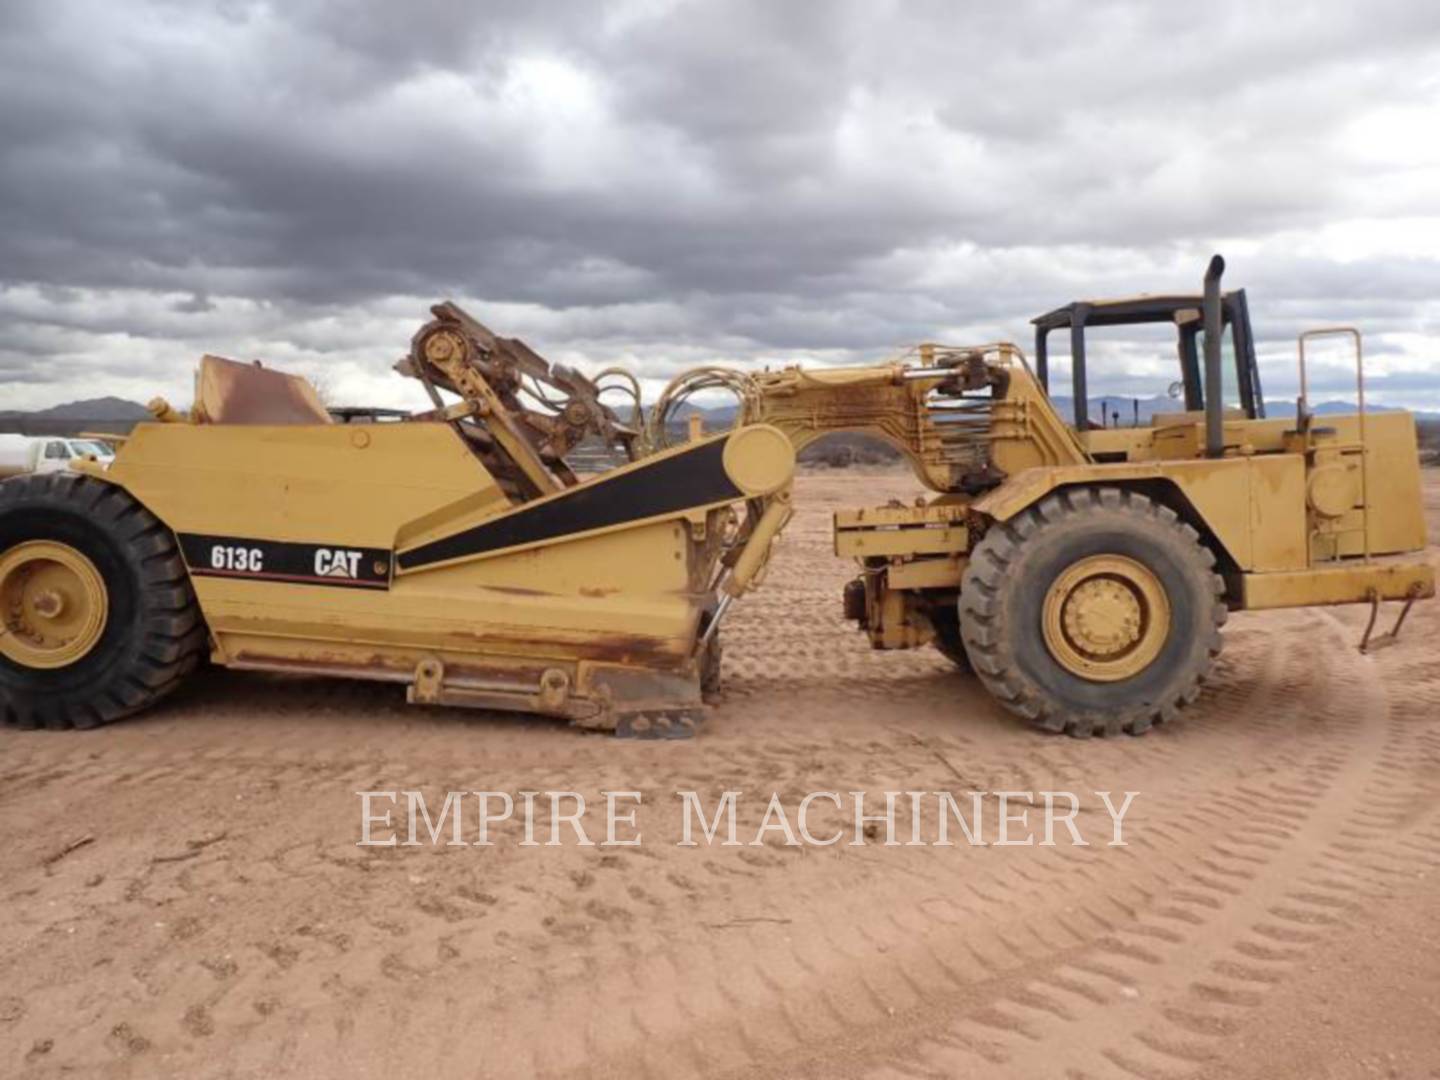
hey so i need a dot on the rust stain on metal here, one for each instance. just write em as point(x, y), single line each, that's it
point(635, 649)
point(320, 662)
point(229, 392)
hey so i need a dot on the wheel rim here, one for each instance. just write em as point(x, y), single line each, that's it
point(53, 604)
point(1106, 618)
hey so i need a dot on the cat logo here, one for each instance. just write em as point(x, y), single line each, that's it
point(336, 562)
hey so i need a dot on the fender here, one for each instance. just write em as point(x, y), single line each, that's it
point(1253, 508)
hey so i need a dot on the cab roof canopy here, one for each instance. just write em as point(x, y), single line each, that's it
point(1126, 311)
point(1182, 310)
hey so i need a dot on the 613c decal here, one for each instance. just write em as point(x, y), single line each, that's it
point(282, 560)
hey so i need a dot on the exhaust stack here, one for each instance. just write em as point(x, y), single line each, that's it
point(1214, 391)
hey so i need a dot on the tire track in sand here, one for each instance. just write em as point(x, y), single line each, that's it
point(1152, 998)
point(933, 929)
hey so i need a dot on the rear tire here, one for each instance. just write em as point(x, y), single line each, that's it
point(948, 641)
point(1098, 611)
point(150, 635)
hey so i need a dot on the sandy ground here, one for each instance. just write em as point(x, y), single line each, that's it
point(1273, 914)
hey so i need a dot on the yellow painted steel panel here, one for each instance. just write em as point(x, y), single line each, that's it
point(1340, 583)
point(350, 483)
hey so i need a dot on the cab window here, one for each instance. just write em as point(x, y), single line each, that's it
point(1229, 368)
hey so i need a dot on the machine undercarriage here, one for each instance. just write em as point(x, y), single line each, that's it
point(1082, 573)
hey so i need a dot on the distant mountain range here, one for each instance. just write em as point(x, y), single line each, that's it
point(1127, 407)
point(118, 411)
point(104, 408)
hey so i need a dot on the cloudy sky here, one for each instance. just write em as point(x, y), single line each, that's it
point(663, 183)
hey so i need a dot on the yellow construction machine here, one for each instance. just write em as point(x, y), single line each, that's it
point(1081, 572)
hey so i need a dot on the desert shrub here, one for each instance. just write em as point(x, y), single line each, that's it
point(843, 449)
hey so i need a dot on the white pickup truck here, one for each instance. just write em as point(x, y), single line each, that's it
point(47, 453)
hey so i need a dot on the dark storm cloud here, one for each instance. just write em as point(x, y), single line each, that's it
point(657, 181)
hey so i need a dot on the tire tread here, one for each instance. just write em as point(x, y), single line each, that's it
point(982, 614)
point(172, 635)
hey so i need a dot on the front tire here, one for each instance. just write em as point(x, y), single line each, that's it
point(1097, 611)
point(99, 619)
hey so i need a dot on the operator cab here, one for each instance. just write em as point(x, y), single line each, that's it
point(1242, 396)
